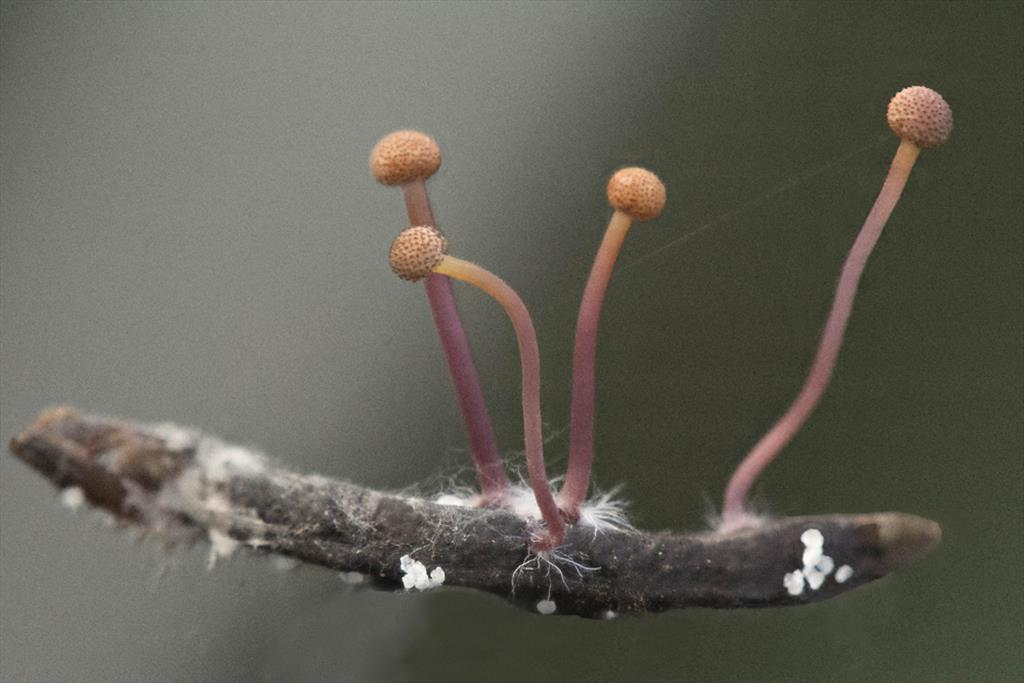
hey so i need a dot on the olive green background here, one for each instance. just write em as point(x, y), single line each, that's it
point(190, 233)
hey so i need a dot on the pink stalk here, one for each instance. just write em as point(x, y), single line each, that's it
point(407, 158)
point(529, 356)
point(581, 420)
point(476, 420)
point(831, 340)
point(418, 252)
point(922, 119)
point(635, 194)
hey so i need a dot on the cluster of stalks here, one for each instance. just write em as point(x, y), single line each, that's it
point(918, 115)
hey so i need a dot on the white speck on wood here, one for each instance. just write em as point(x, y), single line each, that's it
point(812, 538)
point(794, 582)
point(72, 497)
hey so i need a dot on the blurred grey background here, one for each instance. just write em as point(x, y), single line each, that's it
point(190, 233)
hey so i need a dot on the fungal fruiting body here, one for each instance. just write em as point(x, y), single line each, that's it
point(636, 194)
point(922, 119)
point(420, 251)
point(406, 158)
point(918, 115)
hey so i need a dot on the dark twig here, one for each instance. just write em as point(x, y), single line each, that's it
point(181, 486)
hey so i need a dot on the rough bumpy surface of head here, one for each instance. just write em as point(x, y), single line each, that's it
point(636, 192)
point(417, 251)
point(404, 156)
point(920, 115)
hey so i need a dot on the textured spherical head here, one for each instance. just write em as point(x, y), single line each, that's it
point(417, 251)
point(404, 156)
point(636, 192)
point(920, 115)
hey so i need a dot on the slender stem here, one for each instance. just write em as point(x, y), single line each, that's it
point(417, 203)
point(529, 355)
point(831, 339)
point(581, 431)
point(476, 421)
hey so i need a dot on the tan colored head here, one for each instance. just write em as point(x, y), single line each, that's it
point(404, 156)
point(417, 251)
point(920, 115)
point(636, 192)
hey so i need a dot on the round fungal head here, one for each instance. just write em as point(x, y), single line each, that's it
point(920, 115)
point(636, 192)
point(417, 251)
point(404, 156)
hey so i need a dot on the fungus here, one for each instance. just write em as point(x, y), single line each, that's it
point(406, 158)
point(636, 194)
point(921, 119)
point(419, 252)
point(179, 485)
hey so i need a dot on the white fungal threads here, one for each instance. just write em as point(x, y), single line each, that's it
point(220, 461)
point(176, 437)
point(546, 607)
point(452, 500)
point(221, 545)
point(601, 512)
point(816, 565)
point(416, 576)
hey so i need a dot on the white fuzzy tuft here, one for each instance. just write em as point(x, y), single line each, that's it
point(454, 500)
point(605, 512)
point(602, 512)
point(220, 461)
point(221, 545)
point(520, 501)
point(176, 437)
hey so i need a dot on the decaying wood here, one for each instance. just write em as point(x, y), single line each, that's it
point(183, 486)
